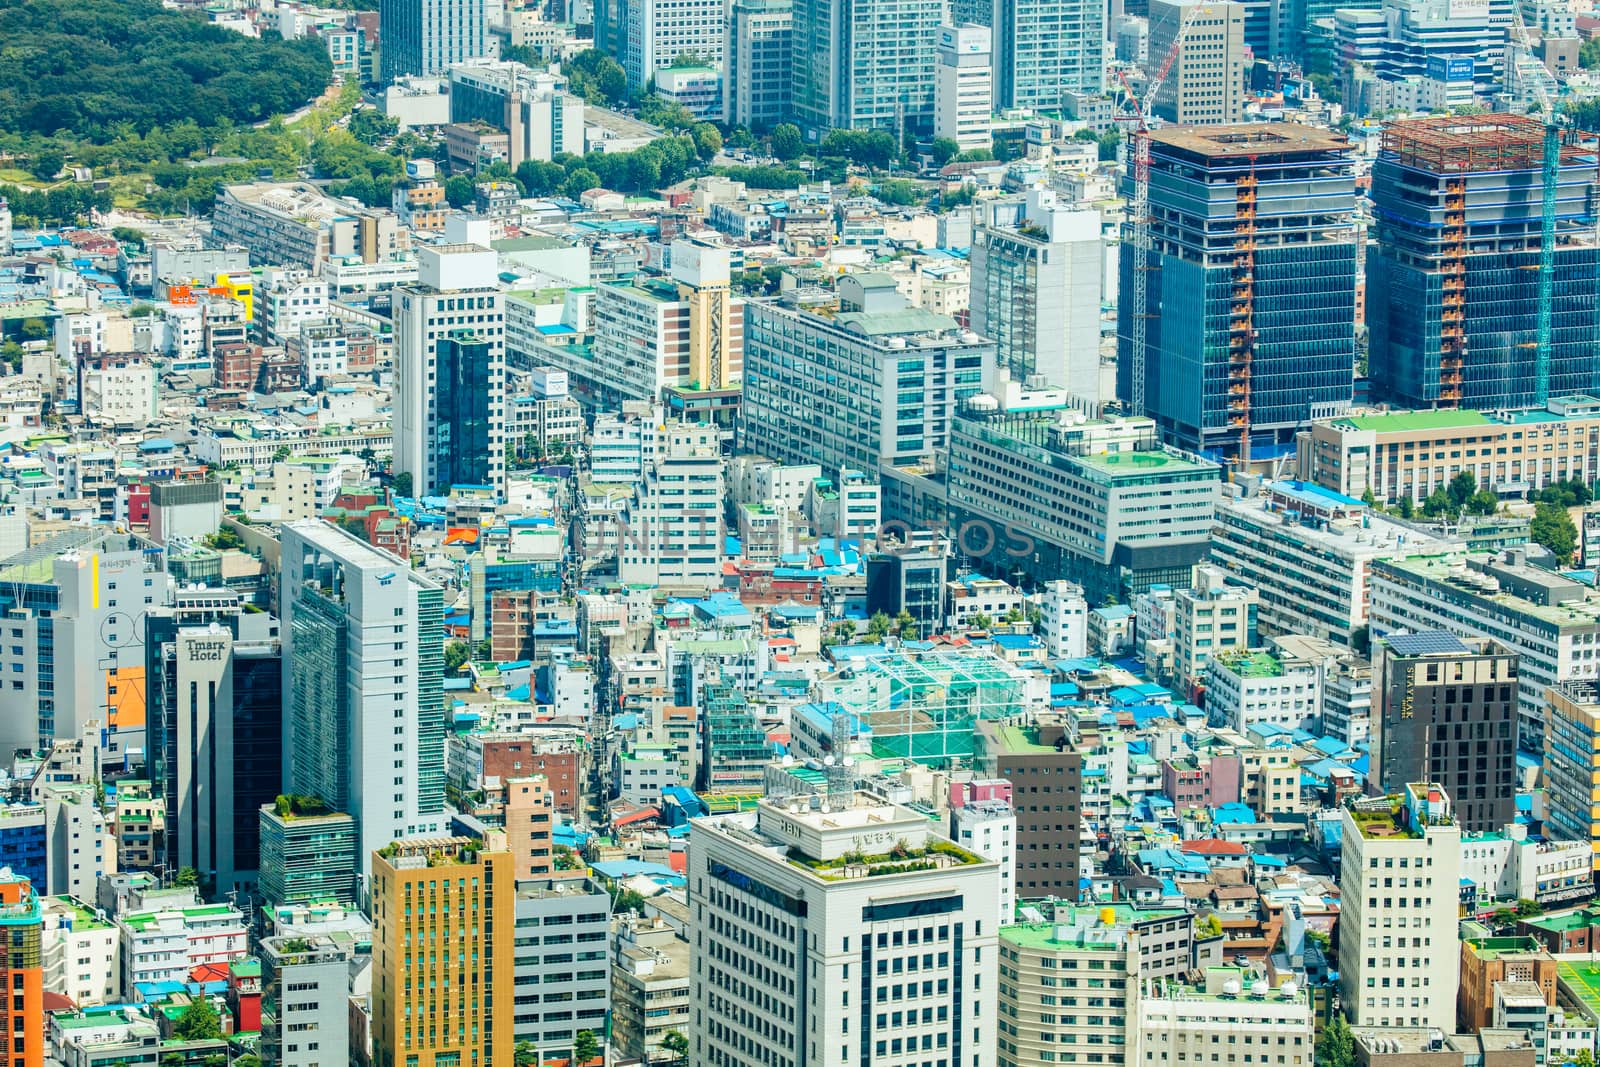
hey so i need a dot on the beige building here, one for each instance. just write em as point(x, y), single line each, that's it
point(1206, 84)
point(1412, 453)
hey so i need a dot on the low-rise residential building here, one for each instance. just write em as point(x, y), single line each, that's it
point(80, 952)
point(649, 987)
point(166, 944)
point(1247, 687)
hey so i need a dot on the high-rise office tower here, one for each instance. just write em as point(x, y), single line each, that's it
point(756, 76)
point(22, 1011)
point(865, 64)
point(1444, 710)
point(840, 930)
point(1400, 892)
point(963, 102)
point(216, 696)
point(1252, 284)
point(1206, 83)
point(450, 345)
point(363, 663)
point(1043, 49)
point(1453, 280)
point(426, 36)
point(1036, 267)
point(442, 946)
point(1572, 763)
point(660, 31)
point(72, 614)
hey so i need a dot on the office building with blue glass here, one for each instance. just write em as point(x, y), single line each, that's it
point(1454, 277)
point(1250, 328)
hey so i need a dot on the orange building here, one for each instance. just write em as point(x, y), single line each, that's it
point(21, 973)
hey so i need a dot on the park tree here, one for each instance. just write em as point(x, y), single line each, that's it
point(1552, 527)
point(787, 143)
point(585, 1048)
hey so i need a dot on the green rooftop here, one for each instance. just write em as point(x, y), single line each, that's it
point(1023, 739)
point(1583, 982)
point(1581, 919)
point(1251, 664)
point(1492, 948)
point(1403, 421)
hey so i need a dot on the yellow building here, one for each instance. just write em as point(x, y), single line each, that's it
point(1572, 763)
point(442, 943)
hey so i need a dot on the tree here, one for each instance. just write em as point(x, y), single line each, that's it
point(585, 1048)
point(1438, 504)
point(628, 900)
point(11, 354)
point(186, 876)
point(1528, 909)
point(199, 1022)
point(525, 1055)
point(540, 177)
point(707, 140)
point(787, 143)
point(579, 182)
point(1368, 498)
point(1589, 54)
point(459, 190)
point(898, 191)
point(1210, 926)
point(1552, 527)
point(674, 1042)
point(46, 164)
point(980, 621)
point(944, 149)
point(370, 126)
point(1483, 502)
point(455, 654)
point(1461, 488)
point(34, 330)
point(1408, 508)
point(249, 1059)
point(402, 483)
point(905, 627)
point(1337, 1047)
point(879, 625)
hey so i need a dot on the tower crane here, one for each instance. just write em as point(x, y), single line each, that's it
point(1550, 172)
point(1139, 163)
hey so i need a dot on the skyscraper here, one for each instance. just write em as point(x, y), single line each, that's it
point(449, 377)
point(1036, 291)
point(819, 909)
point(963, 105)
point(1252, 284)
point(22, 1011)
point(756, 76)
point(660, 31)
point(216, 718)
point(1453, 280)
point(865, 64)
point(426, 36)
point(363, 661)
point(1043, 49)
point(442, 933)
point(1445, 710)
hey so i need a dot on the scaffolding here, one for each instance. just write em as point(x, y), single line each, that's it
point(1453, 310)
point(924, 705)
point(1241, 326)
point(1449, 144)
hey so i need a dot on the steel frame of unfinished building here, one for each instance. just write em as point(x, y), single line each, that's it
point(1483, 288)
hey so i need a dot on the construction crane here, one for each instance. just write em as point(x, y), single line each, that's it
point(1550, 173)
point(1139, 163)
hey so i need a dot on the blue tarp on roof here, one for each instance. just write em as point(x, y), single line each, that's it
point(1232, 813)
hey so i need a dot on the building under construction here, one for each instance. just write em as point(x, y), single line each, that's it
point(1453, 283)
point(1250, 329)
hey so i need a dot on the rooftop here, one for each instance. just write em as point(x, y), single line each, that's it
point(1254, 139)
point(1402, 421)
point(1251, 664)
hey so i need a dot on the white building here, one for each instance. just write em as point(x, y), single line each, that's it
point(989, 828)
point(1399, 883)
point(457, 296)
point(367, 738)
point(80, 842)
point(822, 921)
point(287, 302)
point(166, 944)
point(80, 952)
point(1064, 619)
point(1245, 688)
point(660, 31)
point(1309, 551)
point(118, 391)
point(1036, 285)
point(1214, 614)
point(674, 536)
point(963, 102)
point(1177, 1025)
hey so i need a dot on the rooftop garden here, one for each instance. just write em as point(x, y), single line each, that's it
point(1387, 822)
point(292, 806)
point(901, 859)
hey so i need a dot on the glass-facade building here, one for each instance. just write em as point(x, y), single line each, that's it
point(1042, 48)
point(864, 64)
point(1250, 328)
point(1453, 279)
point(462, 440)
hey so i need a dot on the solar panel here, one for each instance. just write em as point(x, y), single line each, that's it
point(1429, 643)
